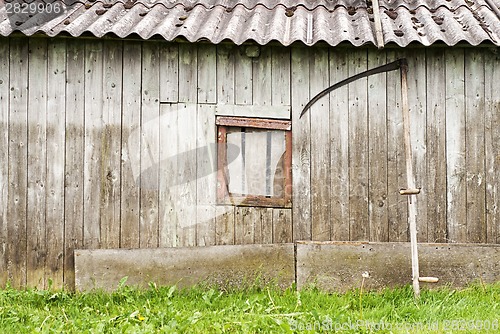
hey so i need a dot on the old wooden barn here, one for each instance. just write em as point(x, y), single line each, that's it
point(148, 123)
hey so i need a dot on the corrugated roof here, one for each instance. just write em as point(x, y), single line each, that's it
point(286, 21)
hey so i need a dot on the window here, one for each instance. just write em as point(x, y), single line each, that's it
point(254, 162)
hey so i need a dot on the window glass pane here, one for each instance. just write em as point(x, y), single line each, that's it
point(258, 169)
point(236, 180)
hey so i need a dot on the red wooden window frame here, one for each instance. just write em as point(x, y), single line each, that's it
point(223, 195)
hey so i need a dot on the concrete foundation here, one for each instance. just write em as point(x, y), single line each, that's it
point(338, 266)
point(330, 266)
point(227, 266)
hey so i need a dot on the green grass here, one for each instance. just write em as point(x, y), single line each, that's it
point(208, 310)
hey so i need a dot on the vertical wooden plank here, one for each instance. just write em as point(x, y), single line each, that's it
point(188, 78)
point(320, 150)
point(169, 72)
point(205, 229)
point(245, 219)
point(18, 160)
point(301, 146)
point(169, 219)
point(253, 219)
point(150, 113)
point(224, 228)
point(4, 156)
point(243, 81)
point(262, 221)
point(436, 144)
point(282, 226)
point(262, 95)
point(417, 103)
point(131, 150)
point(259, 216)
point(207, 73)
point(397, 208)
point(261, 73)
point(267, 226)
point(56, 107)
point(455, 146)
point(186, 169)
point(339, 147)
point(111, 141)
point(358, 149)
point(280, 76)
point(37, 163)
point(474, 153)
point(377, 150)
point(225, 73)
point(206, 175)
point(75, 148)
point(93, 132)
point(280, 85)
point(492, 146)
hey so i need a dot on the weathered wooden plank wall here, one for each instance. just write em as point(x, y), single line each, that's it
point(419, 140)
point(110, 161)
point(149, 147)
point(377, 151)
point(93, 139)
point(396, 170)
point(339, 149)
point(474, 153)
point(4, 156)
point(301, 143)
point(56, 137)
point(114, 145)
point(320, 148)
point(455, 145)
point(359, 228)
point(436, 153)
point(74, 156)
point(492, 147)
point(130, 146)
point(17, 208)
point(37, 163)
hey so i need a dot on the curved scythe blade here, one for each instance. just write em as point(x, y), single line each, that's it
point(384, 68)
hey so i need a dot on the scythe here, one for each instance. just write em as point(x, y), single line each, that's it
point(411, 190)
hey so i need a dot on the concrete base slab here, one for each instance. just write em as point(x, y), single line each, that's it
point(330, 266)
point(338, 266)
point(234, 266)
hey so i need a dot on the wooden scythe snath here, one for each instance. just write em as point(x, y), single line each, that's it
point(411, 189)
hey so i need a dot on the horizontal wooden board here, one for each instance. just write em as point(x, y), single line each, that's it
point(258, 111)
point(254, 123)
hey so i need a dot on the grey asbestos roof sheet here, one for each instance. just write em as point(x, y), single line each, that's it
point(286, 21)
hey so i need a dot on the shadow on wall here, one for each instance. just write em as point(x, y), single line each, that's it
point(177, 163)
point(166, 167)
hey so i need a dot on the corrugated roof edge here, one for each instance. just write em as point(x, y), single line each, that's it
point(100, 21)
point(321, 44)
